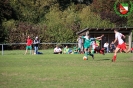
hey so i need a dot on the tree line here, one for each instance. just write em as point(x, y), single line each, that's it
point(56, 20)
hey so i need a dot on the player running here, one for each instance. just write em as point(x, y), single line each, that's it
point(87, 44)
point(121, 44)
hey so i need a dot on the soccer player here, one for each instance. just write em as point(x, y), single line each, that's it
point(80, 45)
point(87, 44)
point(93, 46)
point(97, 47)
point(29, 45)
point(121, 44)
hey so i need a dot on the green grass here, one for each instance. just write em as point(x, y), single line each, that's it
point(65, 71)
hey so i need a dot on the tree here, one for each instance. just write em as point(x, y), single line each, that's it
point(6, 13)
point(106, 10)
point(130, 22)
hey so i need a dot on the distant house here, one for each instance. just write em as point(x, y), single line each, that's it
point(108, 34)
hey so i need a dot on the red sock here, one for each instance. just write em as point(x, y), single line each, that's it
point(101, 52)
point(114, 58)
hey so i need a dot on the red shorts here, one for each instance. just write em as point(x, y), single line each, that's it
point(122, 46)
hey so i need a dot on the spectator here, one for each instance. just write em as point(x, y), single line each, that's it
point(66, 50)
point(106, 47)
point(36, 43)
point(29, 43)
point(75, 50)
point(112, 47)
point(80, 46)
point(57, 50)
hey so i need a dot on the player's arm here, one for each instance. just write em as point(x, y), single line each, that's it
point(35, 42)
point(115, 40)
point(110, 46)
point(54, 49)
point(31, 41)
point(83, 37)
point(99, 38)
point(123, 36)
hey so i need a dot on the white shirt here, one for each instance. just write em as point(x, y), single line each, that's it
point(119, 38)
point(57, 49)
point(79, 40)
point(93, 44)
point(106, 44)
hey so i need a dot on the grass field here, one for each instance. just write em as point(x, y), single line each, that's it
point(65, 71)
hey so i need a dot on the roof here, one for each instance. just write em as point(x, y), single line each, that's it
point(105, 30)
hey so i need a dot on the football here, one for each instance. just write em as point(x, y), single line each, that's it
point(85, 58)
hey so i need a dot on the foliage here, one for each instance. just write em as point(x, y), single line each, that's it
point(106, 10)
point(6, 13)
point(55, 20)
point(130, 22)
point(93, 20)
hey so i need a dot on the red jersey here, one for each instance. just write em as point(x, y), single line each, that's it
point(29, 42)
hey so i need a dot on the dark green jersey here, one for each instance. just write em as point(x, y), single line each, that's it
point(87, 41)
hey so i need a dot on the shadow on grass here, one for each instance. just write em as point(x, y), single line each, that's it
point(129, 61)
point(103, 59)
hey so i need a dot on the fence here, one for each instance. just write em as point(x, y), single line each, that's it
point(53, 45)
point(15, 44)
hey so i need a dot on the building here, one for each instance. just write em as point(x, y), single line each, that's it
point(108, 34)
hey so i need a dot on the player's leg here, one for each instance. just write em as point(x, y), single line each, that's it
point(30, 48)
point(82, 50)
point(35, 50)
point(86, 52)
point(97, 49)
point(89, 52)
point(102, 51)
point(79, 47)
point(123, 47)
point(92, 51)
point(126, 51)
point(129, 50)
point(115, 54)
point(26, 50)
